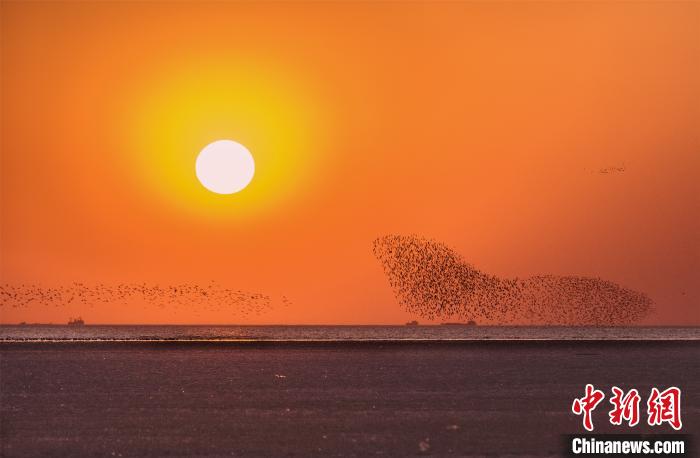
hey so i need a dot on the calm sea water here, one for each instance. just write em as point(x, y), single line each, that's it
point(339, 333)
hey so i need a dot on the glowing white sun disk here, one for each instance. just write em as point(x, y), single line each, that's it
point(225, 167)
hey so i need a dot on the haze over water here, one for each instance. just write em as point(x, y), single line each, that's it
point(312, 333)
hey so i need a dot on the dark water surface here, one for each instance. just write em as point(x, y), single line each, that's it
point(359, 398)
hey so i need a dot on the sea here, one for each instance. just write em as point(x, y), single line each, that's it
point(327, 333)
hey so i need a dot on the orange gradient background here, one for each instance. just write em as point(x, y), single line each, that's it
point(483, 125)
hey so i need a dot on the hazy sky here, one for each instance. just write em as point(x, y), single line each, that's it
point(483, 125)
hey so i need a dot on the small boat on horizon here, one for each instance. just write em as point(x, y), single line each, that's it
point(412, 323)
point(76, 322)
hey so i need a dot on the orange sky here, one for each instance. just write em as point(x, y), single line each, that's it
point(483, 125)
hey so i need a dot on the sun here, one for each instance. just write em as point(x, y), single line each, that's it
point(225, 139)
point(225, 167)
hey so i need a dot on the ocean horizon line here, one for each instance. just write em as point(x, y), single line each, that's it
point(253, 341)
point(23, 324)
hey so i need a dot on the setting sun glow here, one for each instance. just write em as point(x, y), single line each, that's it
point(174, 112)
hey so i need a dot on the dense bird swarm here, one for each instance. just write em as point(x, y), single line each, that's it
point(211, 297)
point(432, 281)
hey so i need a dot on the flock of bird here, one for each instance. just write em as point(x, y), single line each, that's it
point(211, 297)
point(428, 278)
point(432, 281)
point(608, 170)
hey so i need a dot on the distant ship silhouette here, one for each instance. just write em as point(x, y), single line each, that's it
point(76, 322)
